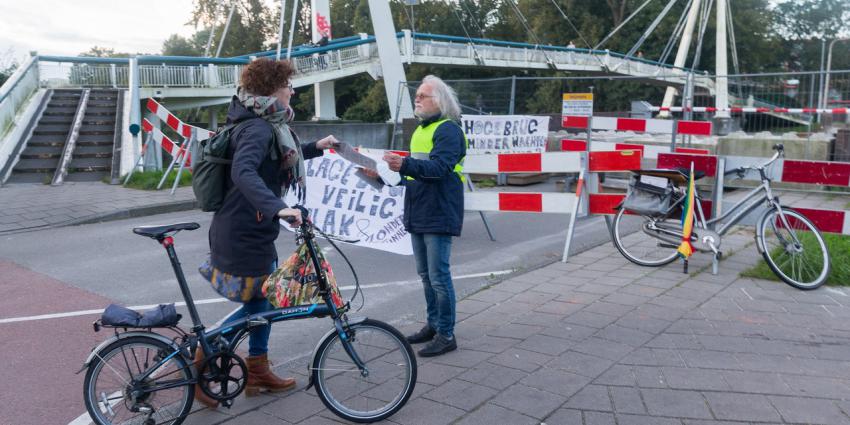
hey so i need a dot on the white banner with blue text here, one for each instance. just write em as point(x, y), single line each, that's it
point(505, 133)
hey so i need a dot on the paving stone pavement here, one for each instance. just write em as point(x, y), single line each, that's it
point(599, 340)
point(27, 206)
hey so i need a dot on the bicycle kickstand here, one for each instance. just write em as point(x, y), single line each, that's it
point(715, 261)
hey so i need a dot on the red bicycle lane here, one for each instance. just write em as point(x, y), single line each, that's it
point(40, 356)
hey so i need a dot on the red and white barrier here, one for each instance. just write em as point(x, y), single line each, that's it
point(648, 151)
point(753, 109)
point(548, 162)
point(562, 203)
point(176, 124)
point(640, 125)
point(167, 144)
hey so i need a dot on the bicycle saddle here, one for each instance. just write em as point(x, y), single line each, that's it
point(159, 232)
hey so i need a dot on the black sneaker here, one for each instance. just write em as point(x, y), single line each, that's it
point(440, 345)
point(424, 335)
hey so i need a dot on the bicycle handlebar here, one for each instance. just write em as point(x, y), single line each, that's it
point(780, 151)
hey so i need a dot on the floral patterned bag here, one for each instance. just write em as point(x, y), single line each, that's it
point(295, 282)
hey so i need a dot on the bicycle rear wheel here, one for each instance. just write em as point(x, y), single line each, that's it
point(639, 247)
point(113, 394)
point(795, 252)
point(360, 397)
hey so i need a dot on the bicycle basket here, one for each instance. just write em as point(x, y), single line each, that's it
point(647, 199)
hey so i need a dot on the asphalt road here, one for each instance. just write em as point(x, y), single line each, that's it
point(66, 271)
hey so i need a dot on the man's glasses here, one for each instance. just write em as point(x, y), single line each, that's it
point(420, 96)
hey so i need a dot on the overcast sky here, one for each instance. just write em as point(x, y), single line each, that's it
point(63, 27)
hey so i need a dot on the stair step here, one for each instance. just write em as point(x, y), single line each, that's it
point(25, 177)
point(89, 164)
point(41, 152)
point(57, 119)
point(95, 139)
point(46, 140)
point(64, 102)
point(100, 110)
point(60, 112)
point(36, 165)
point(93, 152)
point(101, 103)
point(99, 120)
point(89, 176)
point(58, 130)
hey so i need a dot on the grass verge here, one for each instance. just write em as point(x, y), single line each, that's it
point(148, 180)
point(839, 260)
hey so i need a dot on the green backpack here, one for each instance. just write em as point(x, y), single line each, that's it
point(210, 168)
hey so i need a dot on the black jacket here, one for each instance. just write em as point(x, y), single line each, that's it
point(433, 201)
point(243, 231)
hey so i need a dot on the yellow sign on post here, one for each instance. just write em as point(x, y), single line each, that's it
point(577, 104)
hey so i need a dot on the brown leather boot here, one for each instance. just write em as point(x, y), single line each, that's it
point(199, 393)
point(261, 378)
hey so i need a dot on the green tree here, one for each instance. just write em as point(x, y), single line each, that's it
point(176, 45)
point(103, 52)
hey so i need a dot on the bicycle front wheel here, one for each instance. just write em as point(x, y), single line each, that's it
point(370, 395)
point(115, 392)
point(794, 249)
point(638, 246)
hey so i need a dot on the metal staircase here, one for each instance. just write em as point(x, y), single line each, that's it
point(92, 147)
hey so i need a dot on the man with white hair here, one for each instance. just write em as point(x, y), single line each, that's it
point(433, 206)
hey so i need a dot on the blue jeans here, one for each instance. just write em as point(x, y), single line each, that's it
point(432, 252)
point(258, 340)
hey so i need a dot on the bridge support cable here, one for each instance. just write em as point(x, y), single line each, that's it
point(280, 27)
point(614, 31)
point(226, 27)
point(471, 17)
point(477, 57)
point(688, 99)
point(676, 34)
point(581, 37)
point(731, 30)
point(682, 52)
point(292, 19)
point(537, 42)
point(218, 7)
point(651, 28)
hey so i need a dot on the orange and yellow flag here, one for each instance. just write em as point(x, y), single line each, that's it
point(685, 248)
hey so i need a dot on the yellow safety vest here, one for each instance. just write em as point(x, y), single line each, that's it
point(422, 142)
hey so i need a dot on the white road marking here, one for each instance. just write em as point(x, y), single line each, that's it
point(224, 300)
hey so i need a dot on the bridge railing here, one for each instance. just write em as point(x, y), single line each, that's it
point(432, 45)
point(15, 92)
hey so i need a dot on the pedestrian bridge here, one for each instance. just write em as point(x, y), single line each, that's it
point(196, 77)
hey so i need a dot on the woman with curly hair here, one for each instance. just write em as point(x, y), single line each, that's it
point(268, 160)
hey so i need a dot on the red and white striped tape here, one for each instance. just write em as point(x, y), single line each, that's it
point(172, 121)
point(640, 125)
point(561, 203)
point(547, 162)
point(167, 144)
point(753, 109)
